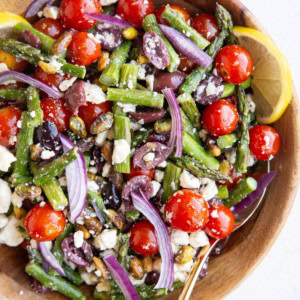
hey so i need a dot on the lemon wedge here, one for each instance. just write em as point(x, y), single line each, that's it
point(272, 81)
point(7, 23)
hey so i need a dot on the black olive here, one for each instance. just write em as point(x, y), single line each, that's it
point(111, 196)
point(152, 278)
point(85, 145)
point(98, 159)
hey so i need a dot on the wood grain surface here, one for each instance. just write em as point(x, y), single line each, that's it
point(248, 246)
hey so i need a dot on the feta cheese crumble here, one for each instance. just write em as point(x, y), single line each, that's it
point(127, 107)
point(94, 93)
point(6, 158)
point(46, 154)
point(51, 12)
point(159, 175)
point(189, 181)
point(121, 151)
point(179, 237)
point(198, 239)
point(208, 189)
point(156, 186)
point(66, 84)
point(107, 239)
point(5, 196)
point(10, 234)
point(78, 239)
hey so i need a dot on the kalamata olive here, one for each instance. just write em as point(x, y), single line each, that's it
point(85, 145)
point(98, 159)
point(38, 287)
point(28, 37)
point(158, 138)
point(48, 136)
point(168, 80)
point(76, 96)
point(111, 197)
point(137, 184)
point(148, 116)
point(110, 36)
point(152, 278)
point(117, 179)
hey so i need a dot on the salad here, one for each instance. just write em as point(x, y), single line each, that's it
point(129, 139)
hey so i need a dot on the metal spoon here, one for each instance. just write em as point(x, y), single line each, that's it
point(206, 251)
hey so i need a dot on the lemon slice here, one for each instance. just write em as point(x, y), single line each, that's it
point(272, 81)
point(7, 23)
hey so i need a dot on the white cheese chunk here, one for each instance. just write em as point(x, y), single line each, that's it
point(92, 185)
point(94, 93)
point(180, 276)
point(103, 286)
point(179, 237)
point(149, 157)
point(100, 138)
point(208, 189)
point(89, 278)
point(5, 196)
point(107, 2)
point(127, 107)
point(121, 151)
point(189, 181)
point(78, 239)
point(252, 105)
point(51, 12)
point(107, 239)
point(10, 235)
point(135, 281)
point(3, 220)
point(66, 84)
point(156, 186)
point(46, 154)
point(106, 169)
point(150, 82)
point(184, 267)
point(159, 175)
point(6, 158)
point(162, 164)
point(198, 239)
point(16, 199)
point(230, 155)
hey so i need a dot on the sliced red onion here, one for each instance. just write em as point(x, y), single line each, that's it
point(34, 8)
point(176, 131)
point(148, 116)
point(76, 181)
point(142, 204)
point(262, 184)
point(185, 46)
point(138, 183)
point(13, 75)
point(121, 278)
point(49, 258)
point(109, 19)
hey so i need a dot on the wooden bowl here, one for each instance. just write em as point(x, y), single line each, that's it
point(249, 245)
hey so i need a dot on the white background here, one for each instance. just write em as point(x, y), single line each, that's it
point(278, 276)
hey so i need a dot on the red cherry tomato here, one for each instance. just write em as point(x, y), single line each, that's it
point(9, 116)
point(181, 12)
point(25, 244)
point(187, 210)
point(136, 171)
point(134, 11)
point(186, 65)
point(206, 25)
point(72, 13)
point(234, 64)
point(57, 112)
point(50, 27)
point(220, 223)
point(90, 112)
point(53, 80)
point(43, 223)
point(264, 142)
point(83, 50)
point(143, 239)
point(220, 118)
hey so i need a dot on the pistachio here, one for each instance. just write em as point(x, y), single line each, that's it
point(214, 150)
point(157, 265)
point(61, 44)
point(47, 68)
point(78, 127)
point(115, 218)
point(86, 234)
point(101, 267)
point(19, 212)
point(28, 191)
point(36, 152)
point(185, 255)
point(106, 151)
point(224, 167)
point(162, 126)
point(92, 224)
point(103, 61)
point(136, 268)
point(102, 123)
point(147, 264)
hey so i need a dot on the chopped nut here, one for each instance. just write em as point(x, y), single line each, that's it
point(185, 254)
point(86, 234)
point(19, 212)
point(78, 126)
point(142, 60)
point(163, 126)
point(214, 150)
point(62, 43)
point(102, 123)
point(103, 61)
point(129, 33)
point(91, 176)
point(106, 151)
point(101, 267)
point(93, 224)
point(28, 191)
point(47, 68)
point(36, 152)
point(114, 218)
point(157, 265)
point(136, 268)
point(224, 167)
point(147, 264)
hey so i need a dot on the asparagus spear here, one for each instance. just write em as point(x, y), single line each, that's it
point(123, 250)
point(34, 56)
point(226, 141)
point(34, 106)
point(243, 150)
point(229, 88)
point(111, 74)
point(171, 180)
point(180, 25)
point(223, 192)
point(13, 94)
point(141, 137)
point(150, 23)
point(97, 199)
point(129, 75)
point(138, 97)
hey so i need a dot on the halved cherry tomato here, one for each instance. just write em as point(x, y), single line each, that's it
point(136, 171)
point(187, 210)
point(179, 10)
point(83, 50)
point(57, 112)
point(134, 11)
point(143, 239)
point(72, 13)
point(50, 27)
point(234, 64)
point(43, 223)
point(264, 142)
point(12, 62)
point(91, 111)
point(206, 25)
point(186, 65)
point(220, 118)
point(220, 223)
point(9, 116)
point(53, 80)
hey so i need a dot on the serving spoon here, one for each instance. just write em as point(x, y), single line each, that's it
point(207, 250)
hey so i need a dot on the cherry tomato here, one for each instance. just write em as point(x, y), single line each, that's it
point(90, 112)
point(83, 50)
point(12, 62)
point(43, 223)
point(53, 80)
point(50, 27)
point(136, 171)
point(186, 65)
point(187, 210)
point(25, 244)
point(143, 239)
point(220, 118)
point(180, 11)
point(57, 112)
point(9, 116)
point(134, 11)
point(72, 13)
point(235, 179)
point(264, 142)
point(234, 64)
point(220, 223)
point(206, 25)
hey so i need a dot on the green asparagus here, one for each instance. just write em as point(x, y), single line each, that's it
point(150, 23)
point(226, 141)
point(123, 250)
point(223, 192)
point(170, 181)
point(129, 75)
point(141, 137)
point(138, 97)
point(34, 106)
point(13, 94)
point(230, 88)
point(111, 74)
point(97, 199)
point(179, 24)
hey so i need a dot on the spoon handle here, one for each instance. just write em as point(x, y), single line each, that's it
point(198, 266)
